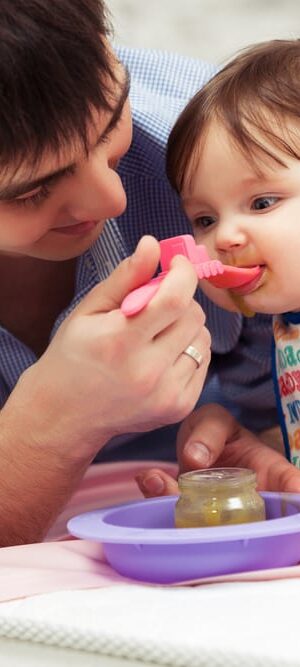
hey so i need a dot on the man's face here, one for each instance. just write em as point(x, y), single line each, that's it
point(59, 211)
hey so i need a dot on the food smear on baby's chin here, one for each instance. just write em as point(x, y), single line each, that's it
point(239, 301)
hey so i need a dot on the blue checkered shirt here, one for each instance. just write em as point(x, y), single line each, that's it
point(240, 371)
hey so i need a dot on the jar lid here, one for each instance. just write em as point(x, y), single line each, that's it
point(215, 476)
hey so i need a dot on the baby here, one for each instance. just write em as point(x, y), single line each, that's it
point(234, 158)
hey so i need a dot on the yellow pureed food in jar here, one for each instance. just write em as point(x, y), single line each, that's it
point(218, 497)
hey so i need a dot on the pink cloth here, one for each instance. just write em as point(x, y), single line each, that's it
point(33, 569)
point(57, 565)
point(73, 564)
point(105, 484)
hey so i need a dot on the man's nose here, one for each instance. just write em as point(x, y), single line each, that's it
point(97, 192)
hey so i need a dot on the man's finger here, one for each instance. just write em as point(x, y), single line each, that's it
point(131, 273)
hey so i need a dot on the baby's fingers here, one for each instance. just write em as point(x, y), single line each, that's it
point(203, 436)
point(156, 482)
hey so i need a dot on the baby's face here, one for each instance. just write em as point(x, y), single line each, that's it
point(246, 219)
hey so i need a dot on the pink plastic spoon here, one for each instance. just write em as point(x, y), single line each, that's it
point(220, 275)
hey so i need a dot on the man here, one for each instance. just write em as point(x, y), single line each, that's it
point(75, 373)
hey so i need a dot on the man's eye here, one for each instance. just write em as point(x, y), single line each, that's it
point(32, 199)
point(204, 221)
point(261, 203)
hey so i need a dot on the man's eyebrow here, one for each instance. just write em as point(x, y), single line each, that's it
point(12, 191)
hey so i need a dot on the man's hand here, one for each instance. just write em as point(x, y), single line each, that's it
point(102, 375)
point(105, 374)
point(209, 437)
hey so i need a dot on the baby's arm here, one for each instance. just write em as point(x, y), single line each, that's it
point(273, 438)
point(210, 436)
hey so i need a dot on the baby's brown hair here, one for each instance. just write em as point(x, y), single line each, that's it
point(253, 96)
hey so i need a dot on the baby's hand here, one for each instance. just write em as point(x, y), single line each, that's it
point(210, 437)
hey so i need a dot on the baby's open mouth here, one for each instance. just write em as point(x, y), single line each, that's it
point(252, 284)
point(235, 277)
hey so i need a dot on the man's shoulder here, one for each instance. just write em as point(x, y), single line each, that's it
point(161, 85)
point(165, 73)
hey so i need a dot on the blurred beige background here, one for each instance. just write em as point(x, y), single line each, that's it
point(210, 29)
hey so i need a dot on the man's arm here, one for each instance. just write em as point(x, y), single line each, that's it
point(102, 375)
point(36, 481)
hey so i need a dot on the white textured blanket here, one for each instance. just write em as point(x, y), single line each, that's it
point(232, 624)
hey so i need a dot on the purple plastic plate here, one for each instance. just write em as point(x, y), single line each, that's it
point(140, 540)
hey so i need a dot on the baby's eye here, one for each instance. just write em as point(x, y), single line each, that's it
point(261, 203)
point(204, 221)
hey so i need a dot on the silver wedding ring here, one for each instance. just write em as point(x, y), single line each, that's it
point(192, 352)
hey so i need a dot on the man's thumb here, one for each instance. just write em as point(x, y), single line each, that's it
point(130, 274)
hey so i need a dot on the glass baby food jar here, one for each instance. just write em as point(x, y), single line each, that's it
point(218, 497)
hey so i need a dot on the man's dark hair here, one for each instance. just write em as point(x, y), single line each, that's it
point(55, 71)
point(255, 96)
